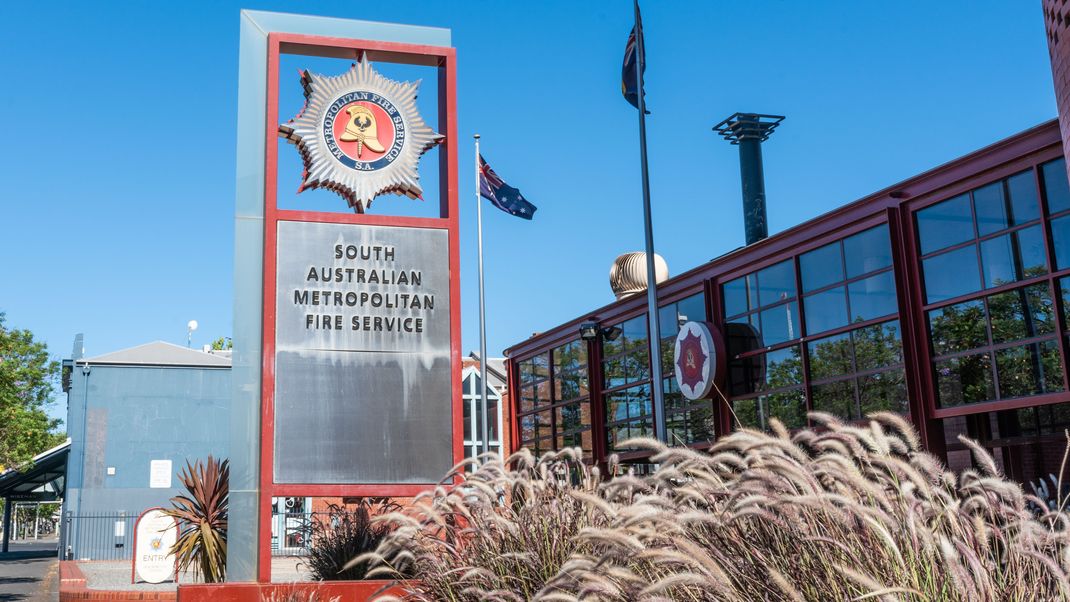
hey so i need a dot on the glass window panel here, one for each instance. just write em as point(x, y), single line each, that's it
point(1052, 419)
point(1056, 185)
point(569, 386)
point(883, 392)
point(570, 417)
point(541, 366)
point(872, 297)
point(780, 324)
point(745, 412)
point(743, 335)
point(613, 372)
point(613, 341)
point(637, 364)
point(821, 267)
point(735, 295)
point(878, 346)
point(831, 356)
point(1029, 370)
point(945, 224)
point(867, 251)
point(468, 385)
point(572, 356)
point(478, 435)
point(692, 425)
point(1014, 256)
point(964, 379)
point(667, 321)
point(788, 406)
point(776, 283)
point(526, 371)
point(1020, 314)
point(1064, 287)
point(582, 440)
point(674, 400)
point(628, 403)
point(951, 274)
point(1006, 203)
point(542, 393)
point(990, 204)
point(958, 327)
point(492, 415)
point(783, 368)
point(1025, 205)
point(825, 310)
point(691, 308)
point(634, 331)
point(1060, 235)
point(773, 370)
point(467, 419)
point(836, 398)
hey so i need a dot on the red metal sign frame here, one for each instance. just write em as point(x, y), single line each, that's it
point(444, 58)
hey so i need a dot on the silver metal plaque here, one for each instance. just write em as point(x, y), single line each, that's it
point(362, 354)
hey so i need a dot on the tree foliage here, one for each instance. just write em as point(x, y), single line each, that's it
point(222, 344)
point(27, 377)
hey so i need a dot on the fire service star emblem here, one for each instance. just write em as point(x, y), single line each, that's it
point(695, 360)
point(360, 135)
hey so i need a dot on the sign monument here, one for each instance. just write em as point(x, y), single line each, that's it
point(355, 389)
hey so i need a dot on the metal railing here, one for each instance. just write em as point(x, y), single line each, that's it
point(98, 536)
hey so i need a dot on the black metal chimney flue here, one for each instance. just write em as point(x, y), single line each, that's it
point(748, 131)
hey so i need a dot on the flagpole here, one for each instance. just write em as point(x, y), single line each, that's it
point(485, 434)
point(651, 287)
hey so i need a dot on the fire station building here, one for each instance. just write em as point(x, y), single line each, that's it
point(943, 298)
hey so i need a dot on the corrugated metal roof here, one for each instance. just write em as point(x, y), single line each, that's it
point(160, 353)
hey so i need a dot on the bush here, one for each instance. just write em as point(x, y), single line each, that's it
point(846, 512)
point(503, 533)
point(343, 534)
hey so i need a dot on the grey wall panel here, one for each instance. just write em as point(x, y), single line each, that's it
point(362, 418)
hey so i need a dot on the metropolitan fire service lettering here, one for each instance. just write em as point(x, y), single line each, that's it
point(357, 286)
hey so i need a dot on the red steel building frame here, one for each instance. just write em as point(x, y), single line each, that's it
point(444, 59)
point(895, 206)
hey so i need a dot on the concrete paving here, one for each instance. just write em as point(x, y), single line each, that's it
point(29, 579)
point(115, 575)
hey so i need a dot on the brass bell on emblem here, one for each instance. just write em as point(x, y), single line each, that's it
point(361, 129)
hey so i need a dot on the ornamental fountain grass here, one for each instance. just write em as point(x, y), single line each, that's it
point(844, 512)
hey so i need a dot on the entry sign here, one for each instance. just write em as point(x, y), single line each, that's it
point(695, 360)
point(154, 535)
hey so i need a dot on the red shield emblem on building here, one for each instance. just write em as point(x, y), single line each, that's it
point(695, 360)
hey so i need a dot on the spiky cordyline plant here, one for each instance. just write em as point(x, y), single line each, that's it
point(202, 519)
point(845, 513)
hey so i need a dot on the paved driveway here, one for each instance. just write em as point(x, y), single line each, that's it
point(30, 573)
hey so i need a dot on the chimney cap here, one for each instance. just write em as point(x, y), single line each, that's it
point(748, 126)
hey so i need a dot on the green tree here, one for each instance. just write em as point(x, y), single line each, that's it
point(222, 343)
point(27, 376)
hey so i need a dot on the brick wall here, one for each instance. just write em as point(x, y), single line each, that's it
point(1057, 28)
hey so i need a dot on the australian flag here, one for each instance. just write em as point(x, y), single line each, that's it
point(504, 196)
point(630, 82)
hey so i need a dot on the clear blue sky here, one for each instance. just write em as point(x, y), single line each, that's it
point(119, 126)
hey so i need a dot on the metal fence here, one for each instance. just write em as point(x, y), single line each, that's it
point(100, 536)
point(110, 535)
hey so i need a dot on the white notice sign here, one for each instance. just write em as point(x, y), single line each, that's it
point(154, 536)
point(160, 474)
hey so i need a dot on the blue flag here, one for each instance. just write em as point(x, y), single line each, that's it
point(630, 84)
point(502, 195)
